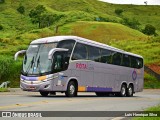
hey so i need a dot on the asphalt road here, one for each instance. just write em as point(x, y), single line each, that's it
point(18, 100)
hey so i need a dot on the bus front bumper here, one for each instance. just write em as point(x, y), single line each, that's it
point(35, 87)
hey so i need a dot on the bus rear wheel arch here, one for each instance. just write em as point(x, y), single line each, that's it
point(72, 88)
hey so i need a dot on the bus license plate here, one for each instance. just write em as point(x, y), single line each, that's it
point(32, 88)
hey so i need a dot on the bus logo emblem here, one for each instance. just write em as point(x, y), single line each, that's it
point(134, 75)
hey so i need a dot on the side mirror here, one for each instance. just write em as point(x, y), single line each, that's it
point(52, 51)
point(17, 54)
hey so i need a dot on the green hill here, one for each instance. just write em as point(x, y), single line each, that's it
point(104, 32)
point(15, 23)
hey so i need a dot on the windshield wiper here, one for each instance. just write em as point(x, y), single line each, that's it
point(38, 64)
point(30, 65)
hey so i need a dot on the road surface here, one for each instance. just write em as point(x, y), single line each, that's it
point(18, 100)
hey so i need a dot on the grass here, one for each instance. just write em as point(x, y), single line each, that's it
point(102, 31)
point(151, 109)
point(151, 82)
point(4, 90)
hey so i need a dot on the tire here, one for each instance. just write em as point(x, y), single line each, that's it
point(123, 90)
point(44, 94)
point(102, 94)
point(71, 89)
point(130, 91)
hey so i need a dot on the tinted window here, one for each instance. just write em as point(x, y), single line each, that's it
point(60, 62)
point(140, 62)
point(106, 56)
point(68, 44)
point(126, 60)
point(94, 53)
point(80, 52)
point(134, 63)
point(117, 58)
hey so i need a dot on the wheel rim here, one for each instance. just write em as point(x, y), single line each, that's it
point(123, 91)
point(130, 90)
point(72, 89)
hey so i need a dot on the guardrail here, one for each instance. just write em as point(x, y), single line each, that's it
point(150, 71)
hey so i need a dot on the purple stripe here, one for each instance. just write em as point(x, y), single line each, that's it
point(99, 89)
point(29, 78)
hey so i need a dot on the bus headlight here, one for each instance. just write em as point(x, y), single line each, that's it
point(50, 78)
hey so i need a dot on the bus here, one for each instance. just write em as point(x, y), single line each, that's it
point(73, 64)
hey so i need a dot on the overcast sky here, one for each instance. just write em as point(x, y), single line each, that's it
point(136, 2)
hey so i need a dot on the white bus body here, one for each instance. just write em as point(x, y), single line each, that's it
point(73, 64)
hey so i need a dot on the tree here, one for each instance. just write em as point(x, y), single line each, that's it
point(46, 20)
point(149, 30)
point(1, 27)
point(118, 11)
point(2, 1)
point(21, 9)
point(36, 14)
point(132, 23)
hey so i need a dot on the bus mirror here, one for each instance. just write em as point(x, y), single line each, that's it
point(52, 51)
point(19, 52)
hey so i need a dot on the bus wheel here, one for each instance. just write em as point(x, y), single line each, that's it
point(44, 94)
point(130, 91)
point(123, 91)
point(71, 89)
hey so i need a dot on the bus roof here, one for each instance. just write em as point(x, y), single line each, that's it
point(81, 40)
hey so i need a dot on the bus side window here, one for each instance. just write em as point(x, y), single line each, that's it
point(134, 62)
point(57, 62)
point(60, 61)
point(106, 56)
point(117, 58)
point(126, 60)
point(68, 44)
point(139, 63)
point(94, 53)
point(80, 52)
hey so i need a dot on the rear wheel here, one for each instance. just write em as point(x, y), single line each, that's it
point(71, 89)
point(130, 91)
point(44, 94)
point(122, 92)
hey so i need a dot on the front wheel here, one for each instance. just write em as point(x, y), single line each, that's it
point(71, 89)
point(44, 94)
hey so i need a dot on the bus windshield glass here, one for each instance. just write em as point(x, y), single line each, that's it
point(36, 60)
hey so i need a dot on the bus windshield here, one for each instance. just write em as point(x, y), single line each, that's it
point(36, 60)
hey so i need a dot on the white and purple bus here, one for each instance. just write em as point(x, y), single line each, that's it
point(73, 64)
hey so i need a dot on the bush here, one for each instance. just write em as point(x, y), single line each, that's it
point(9, 70)
point(21, 9)
point(2, 1)
point(1, 27)
point(132, 23)
point(149, 30)
point(118, 11)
